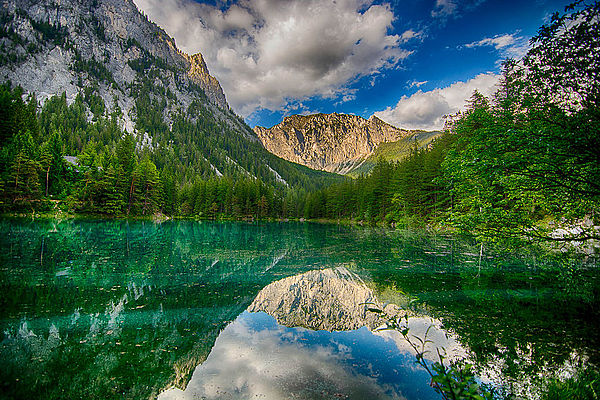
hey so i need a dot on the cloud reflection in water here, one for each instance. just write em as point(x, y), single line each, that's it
point(255, 357)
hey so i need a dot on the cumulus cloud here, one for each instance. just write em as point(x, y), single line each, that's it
point(426, 110)
point(267, 52)
point(509, 45)
point(246, 363)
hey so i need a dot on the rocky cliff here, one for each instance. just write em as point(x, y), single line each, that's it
point(198, 72)
point(330, 142)
point(55, 46)
point(329, 299)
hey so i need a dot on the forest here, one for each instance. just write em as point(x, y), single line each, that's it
point(514, 165)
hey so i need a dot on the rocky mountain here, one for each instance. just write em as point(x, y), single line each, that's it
point(330, 142)
point(332, 299)
point(55, 46)
point(107, 53)
point(48, 45)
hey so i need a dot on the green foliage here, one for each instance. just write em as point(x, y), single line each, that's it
point(19, 155)
point(97, 27)
point(563, 67)
point(15, 114)
point(24, 178)
point(458, 382)
point(146, 189)
point(54, 165)
point(583, 386)
point(54, 33)
point(407, 190)
point(534, 153)
point(94, 101)
point(455, 381)
point(518, 161)
point(395, 151)
point(93, 68)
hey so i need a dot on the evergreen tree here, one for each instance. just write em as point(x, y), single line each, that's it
point(25, 177)
point(147, 192)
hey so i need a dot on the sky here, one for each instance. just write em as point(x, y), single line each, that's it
point(409, 62)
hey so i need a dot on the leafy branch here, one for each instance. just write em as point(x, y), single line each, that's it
point(455, 381)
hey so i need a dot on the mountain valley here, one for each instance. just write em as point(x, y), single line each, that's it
point(105, 62)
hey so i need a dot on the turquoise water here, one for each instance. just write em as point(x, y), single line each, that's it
point(116, 309)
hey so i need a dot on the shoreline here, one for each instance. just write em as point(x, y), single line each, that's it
point(159, 218)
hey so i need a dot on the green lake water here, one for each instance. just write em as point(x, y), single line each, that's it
point(182, 310)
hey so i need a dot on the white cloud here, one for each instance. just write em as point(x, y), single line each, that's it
point(410, 34)
point(447, 9)
point(297, 107)
point(499, 42)
point(444, 8)
point(509, 45)
point(417, 83)
point(271, 363)
point(426, 110)
point(267, 52)
point(348, 97)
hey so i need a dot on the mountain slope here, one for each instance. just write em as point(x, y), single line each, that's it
point(106, 57)
point(330, 142)
point(395, 151)
point(53, 43)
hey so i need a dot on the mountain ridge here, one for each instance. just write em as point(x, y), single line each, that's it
point(335, 142)
point(113, 36)
point(112, 63)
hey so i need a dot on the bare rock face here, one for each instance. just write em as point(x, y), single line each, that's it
point(330, 299)
point(330, 142)
point(198, 72)
point(57, 46)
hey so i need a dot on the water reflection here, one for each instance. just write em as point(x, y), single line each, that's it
point(254, 357)
point(116, 309)
point(308, 336)
point(329, 299)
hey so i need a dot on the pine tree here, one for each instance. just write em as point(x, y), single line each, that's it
point(147, 193)
point(25, 178)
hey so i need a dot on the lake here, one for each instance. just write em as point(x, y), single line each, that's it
point(182, 310)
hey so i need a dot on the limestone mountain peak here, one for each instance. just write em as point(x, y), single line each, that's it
point(330, 142)
point(68, 45)
point(198, 72)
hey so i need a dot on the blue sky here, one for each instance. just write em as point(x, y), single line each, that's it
point(408, 62)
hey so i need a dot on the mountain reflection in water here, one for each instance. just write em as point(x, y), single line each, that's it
point(308, 336)
point(128, 309)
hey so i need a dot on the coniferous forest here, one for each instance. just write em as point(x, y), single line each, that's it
point(76, 158)
point(508, 166)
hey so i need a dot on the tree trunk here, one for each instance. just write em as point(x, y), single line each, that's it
point(130, 196)
point(47, 178)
